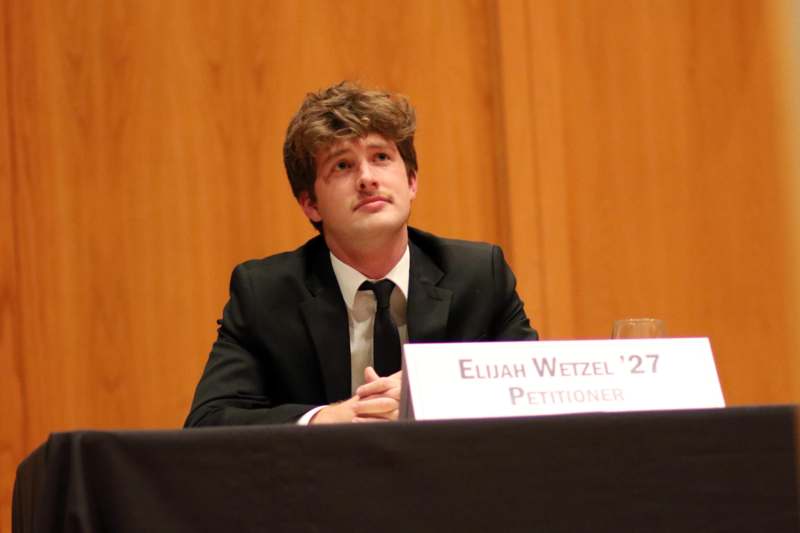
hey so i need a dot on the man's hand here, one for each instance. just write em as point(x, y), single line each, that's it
point(378, 399)
point(336, 413)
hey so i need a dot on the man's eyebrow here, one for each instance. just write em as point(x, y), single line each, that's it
point(380, 144)
point(334, 154)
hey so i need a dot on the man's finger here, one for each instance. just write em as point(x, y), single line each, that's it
point(376, 387)
point(370, 375)
point(386, 417)
point(362, 420)
point(393, 392)
point(375, 406)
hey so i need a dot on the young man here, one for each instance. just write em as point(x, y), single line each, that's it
point(314, 335)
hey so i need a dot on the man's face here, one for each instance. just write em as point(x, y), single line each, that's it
point(362, 189)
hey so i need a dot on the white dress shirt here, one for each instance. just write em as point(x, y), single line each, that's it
point(361, 307)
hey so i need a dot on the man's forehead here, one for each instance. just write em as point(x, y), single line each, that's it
point(371, 140)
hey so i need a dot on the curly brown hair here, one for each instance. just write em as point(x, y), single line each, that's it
point(343, 111)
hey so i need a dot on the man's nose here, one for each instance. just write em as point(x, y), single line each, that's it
point(366, 178)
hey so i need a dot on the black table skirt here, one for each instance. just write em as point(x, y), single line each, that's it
point(684, 471)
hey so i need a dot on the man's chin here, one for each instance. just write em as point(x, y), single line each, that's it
point(378, 226)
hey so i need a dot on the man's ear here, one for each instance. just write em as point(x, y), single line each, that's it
point(412, 184)
point(309, 207)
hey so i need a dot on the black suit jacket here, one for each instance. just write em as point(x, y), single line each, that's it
point(283, 345)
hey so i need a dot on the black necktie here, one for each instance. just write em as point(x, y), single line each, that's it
point(386, 340)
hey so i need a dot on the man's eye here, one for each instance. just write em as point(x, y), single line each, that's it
point(342, 165)
point(382, 156)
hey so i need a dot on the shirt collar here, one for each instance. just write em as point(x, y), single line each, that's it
point(350, 279)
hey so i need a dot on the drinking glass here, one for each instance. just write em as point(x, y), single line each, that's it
point(638, 328)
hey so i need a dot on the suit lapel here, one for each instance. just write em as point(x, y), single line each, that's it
point(326, 318)
point(428, 305)
point(326, 315)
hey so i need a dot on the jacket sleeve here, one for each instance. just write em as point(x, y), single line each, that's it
point(510, 321)
point(233, 389)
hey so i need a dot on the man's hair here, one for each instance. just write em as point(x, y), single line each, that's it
point(344, 111)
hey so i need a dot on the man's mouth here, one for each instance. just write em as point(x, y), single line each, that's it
point(370, 200)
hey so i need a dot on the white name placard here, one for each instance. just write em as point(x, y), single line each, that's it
point(502, 379)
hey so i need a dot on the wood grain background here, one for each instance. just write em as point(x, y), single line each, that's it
point(634, 158)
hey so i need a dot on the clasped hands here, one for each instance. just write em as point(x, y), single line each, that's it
point(377, 400)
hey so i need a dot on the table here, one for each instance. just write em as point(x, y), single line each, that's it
point(689, 471)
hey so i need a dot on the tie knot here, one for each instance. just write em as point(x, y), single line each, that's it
point(382, 290)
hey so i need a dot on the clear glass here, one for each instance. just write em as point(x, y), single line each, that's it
point(638, 328)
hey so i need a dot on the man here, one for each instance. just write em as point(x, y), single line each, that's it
point(313, 335)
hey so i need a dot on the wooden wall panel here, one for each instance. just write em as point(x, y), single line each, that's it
point(785, 19)
point(147, 143)
point(14, 419)
point(659, 178)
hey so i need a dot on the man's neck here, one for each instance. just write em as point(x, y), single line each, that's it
point(373, 258)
